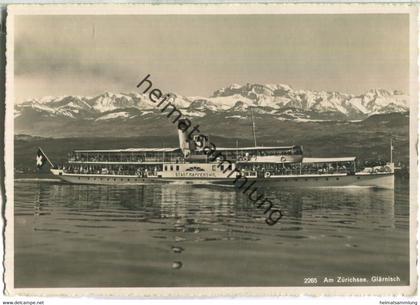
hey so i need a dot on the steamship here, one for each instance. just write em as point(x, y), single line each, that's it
point(191, 163)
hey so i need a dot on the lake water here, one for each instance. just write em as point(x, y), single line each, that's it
point(183, 235)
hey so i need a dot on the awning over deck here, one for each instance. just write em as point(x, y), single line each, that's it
point(254, 148)
point(127, 150)
point(328, 160)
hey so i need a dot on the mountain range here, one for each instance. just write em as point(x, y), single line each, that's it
point(114, 114)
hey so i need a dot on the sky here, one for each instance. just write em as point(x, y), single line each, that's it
point(194, 55)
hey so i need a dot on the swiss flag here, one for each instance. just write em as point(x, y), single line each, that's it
point(41, 159)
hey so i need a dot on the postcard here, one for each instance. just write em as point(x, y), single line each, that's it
point(211, 150)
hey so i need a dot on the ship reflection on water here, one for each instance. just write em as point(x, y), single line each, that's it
point(184, 235)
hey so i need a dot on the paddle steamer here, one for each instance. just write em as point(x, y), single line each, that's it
point(191, 164)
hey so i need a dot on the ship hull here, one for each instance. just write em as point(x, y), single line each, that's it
point(381, 180)
point(102, 179)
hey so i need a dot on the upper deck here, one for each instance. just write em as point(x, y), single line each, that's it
point(161, 155)
point(126, 156)
point(262, 154)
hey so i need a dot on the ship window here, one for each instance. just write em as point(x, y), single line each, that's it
point(306, 179)
point(166, 168)
point(337, 178)
point(177, 167)
point(172, 168)
point(135, 179)
point(326, 179)
point(121, 179)
point(222, 167)
point(115, 179)
point(128, 179)
point(296, 180)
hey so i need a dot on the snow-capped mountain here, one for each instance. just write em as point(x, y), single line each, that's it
point(274, 101)
point(278, 100)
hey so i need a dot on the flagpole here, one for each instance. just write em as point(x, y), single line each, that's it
point(253, 128)
point(46, 157)
point(392, 148)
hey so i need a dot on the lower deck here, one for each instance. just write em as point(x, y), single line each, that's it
point(378, 180)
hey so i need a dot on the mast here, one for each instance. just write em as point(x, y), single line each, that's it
point(391, 149)
point(253, 128)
